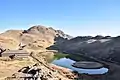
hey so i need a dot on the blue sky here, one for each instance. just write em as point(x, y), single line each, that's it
point(75, 17)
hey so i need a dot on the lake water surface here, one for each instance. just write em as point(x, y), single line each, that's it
point(67, 63)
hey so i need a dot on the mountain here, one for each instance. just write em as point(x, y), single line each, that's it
point(104, 48)
point(39, 38)
point(35, 38)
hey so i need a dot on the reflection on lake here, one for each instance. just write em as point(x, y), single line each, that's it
point(66, 62)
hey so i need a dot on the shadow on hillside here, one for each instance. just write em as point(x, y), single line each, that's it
point(114, 69)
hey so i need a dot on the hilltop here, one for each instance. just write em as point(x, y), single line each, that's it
point(35, 38)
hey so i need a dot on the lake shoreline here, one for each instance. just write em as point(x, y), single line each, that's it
point(67, 63)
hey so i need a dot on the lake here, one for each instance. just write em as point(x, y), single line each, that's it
point(67, 63)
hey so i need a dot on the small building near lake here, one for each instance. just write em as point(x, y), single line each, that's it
point(15, 53)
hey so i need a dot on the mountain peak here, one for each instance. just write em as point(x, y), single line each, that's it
point(40, 29)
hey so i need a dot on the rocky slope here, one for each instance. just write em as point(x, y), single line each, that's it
point(10, 70)
point(104, 48)
point(17, 68)
point(35, 38)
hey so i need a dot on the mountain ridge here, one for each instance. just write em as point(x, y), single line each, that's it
point(35, 37)
point(100, 47)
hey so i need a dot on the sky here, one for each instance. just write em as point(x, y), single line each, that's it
point(74, 17)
